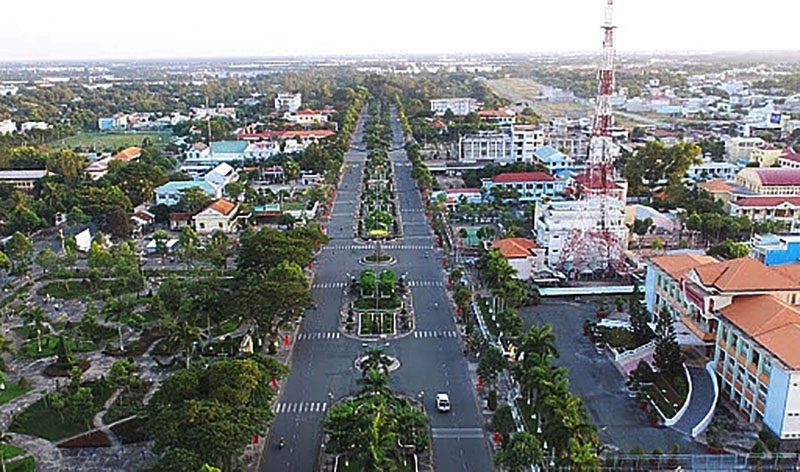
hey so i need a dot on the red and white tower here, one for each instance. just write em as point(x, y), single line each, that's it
point(598, 237)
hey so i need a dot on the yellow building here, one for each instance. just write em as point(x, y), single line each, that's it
point(770, 180)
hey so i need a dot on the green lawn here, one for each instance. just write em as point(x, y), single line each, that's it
point(49, 343)
point(110, 141)
point(78, 289)
point(45, 422)
point(12, 391)
point(10, 450)
point(225, 327)
point(24, 465)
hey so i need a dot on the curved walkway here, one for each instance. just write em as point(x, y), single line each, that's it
point(701, 401)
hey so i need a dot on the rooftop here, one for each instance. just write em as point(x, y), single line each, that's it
point(515, 248)
point(717, 185)
point(678, 265)
point(548, 154)
point(22, 174)
point(778, 176)
point(743, 274)
point(508, 177)
point(772, 323)
point(594, 181)
point(228, 147)
point(766, 201)
point(128, 154)
point(180, 185)
point(222, 206)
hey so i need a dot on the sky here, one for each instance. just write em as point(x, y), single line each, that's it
point(149, 29)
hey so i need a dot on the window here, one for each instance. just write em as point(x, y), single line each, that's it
point(202, 226)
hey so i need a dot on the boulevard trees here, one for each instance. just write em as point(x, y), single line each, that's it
point(210, 415)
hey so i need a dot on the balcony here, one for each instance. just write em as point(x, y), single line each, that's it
point(698, 330)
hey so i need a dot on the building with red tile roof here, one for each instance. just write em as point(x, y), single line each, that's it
point(523, 255)
point(770, 180)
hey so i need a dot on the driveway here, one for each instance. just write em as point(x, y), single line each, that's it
point(594, 378)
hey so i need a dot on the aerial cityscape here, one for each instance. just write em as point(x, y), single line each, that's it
point(395, 249)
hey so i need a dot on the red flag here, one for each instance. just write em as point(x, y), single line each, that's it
point(480, 382)
point(274, 383)
point(458, 310)
point(310, 264)
point(323, 226)
point(497, 437)
point(285, 339)
point(255, 439)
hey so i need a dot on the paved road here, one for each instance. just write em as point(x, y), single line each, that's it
point(431, 360)
point(594, 378)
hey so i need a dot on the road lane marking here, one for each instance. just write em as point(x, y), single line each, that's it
point(299, 407)
point(457, 433)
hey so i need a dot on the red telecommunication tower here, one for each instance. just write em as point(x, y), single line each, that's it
point(592, 245)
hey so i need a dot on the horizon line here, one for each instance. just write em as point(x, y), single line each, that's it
point(397, 55)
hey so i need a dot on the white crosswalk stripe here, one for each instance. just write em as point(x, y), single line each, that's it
point(425, 283)
point(435, 334)
point(391, 247)
point(330, 285)
point(300, 407)
point(318, 336)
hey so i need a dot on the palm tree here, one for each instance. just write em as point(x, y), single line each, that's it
point(185, 336)
point(6, 347)
point(119, 310)
point(539, 340)
point(374, 382)
point(375, 360)
point(37, 317)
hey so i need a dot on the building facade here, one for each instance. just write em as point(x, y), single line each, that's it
point(770, 181)
point(530, 185)
point(290, 102)
point(459, 106)
point(760, 209)
point(515, 143)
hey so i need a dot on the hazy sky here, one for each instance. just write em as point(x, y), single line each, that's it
point(95, 29)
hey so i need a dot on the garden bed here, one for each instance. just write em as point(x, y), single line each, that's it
point(49, 343)
point(41, 420)
point(94, 438)
point(131, 431)
point(376, 323)
point(664, 394)
point(382, 258)
point(82, 288)
point(27, 464)
point(618, 338)
point(368, 303)
point(127, 404)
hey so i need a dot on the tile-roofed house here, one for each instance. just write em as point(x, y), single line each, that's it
point(789, 159)
point(128, 154)
point(523, 255)
point(757, 362)
point(219, 216)
point(678, 265)
point(783, 209)
point(742, 275)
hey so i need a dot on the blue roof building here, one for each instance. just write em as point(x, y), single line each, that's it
point(774, 250)
point(554, 159)
point(170, 193)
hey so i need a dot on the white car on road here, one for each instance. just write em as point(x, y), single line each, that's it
point(442, 402)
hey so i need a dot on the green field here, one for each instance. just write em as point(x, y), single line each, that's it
point(111, 141)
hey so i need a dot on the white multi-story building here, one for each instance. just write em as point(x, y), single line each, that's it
point(740, 149)
point(8, 127)
point(557, 221)
point(515, 143)
point(709, 169)
point(306, 117)
point(290, 102)
point(459, 106)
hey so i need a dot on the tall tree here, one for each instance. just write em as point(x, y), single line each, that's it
point(667, 357)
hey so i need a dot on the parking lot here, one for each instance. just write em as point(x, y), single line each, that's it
point(594, 378)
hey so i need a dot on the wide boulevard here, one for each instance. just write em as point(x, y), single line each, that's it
point(431, 357)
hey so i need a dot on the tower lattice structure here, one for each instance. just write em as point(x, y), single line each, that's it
point(590, 244)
